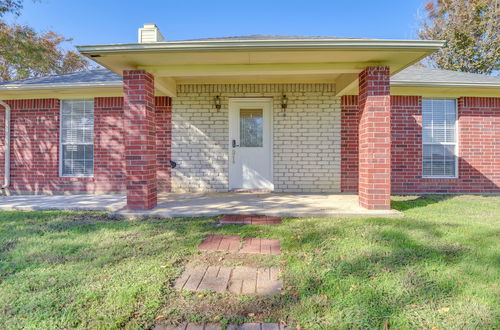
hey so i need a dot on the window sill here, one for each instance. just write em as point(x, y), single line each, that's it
point(76, 177)
point(444, 178)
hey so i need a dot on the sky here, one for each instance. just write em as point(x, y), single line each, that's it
point(105, 21)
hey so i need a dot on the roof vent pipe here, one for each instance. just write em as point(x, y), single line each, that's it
point(6, 182)
point(150, 33)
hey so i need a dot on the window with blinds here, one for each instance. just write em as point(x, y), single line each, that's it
point(77, 138)
point(439, 131)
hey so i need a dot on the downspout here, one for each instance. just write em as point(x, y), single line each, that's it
point(6, 182)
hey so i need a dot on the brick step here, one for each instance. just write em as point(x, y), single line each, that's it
point(211, 326)
point(249, 219)
point(237, 280)
point(232, 243)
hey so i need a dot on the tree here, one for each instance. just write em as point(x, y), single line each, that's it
point(11, 6)
point(471, 29)
point(24, 53)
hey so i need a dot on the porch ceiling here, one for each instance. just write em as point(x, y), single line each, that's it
point(336, 61)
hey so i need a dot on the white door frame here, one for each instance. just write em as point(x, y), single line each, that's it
point(239, 102)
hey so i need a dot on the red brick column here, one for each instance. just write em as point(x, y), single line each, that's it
point(374, 138)
point(140, 139)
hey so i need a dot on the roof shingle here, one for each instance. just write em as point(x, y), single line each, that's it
point(414, 74)
point(98, 76)
point(419, 74)
point(260, 37)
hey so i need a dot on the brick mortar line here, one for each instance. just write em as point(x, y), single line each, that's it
point(201, 279)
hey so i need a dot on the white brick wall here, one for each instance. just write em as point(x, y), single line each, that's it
point(306, 141)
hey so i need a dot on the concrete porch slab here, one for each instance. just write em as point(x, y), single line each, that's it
point(77, 202)
point(205, 205)
point(301, 205)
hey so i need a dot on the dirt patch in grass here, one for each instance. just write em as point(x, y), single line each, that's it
point(232, 259)
point(86, 218)
point(8, 245)
point(78, 220)
point(209, 307)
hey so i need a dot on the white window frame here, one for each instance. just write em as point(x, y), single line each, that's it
point(445, 143)
point(61, 143)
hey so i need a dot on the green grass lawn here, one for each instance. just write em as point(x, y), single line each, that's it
point(439, 266)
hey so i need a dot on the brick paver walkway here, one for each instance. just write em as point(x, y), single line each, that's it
point(249, 219)
point(261, 246)
point(245, 326)
point(240, 280)
point(249, 280)
point(221, 243)
point(188, 326)
point(256, 326)
point(232, 243)
point(200, 278)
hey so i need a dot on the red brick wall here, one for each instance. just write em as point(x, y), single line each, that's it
point(406, 125)
point(478, 141)
point(35, 147)
point(479, 122)
point(163, 107)
point(109, 151)
point(349, 143)
point(479, 147)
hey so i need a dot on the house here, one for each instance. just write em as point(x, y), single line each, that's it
point(273, 113)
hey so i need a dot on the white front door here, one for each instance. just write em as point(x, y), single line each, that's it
point(250, 144)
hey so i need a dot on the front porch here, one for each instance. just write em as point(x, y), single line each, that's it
point(297, 130)
point(205, 204)
point(297, 151)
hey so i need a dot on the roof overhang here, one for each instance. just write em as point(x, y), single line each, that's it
point(445, 88)
point(336, 61)
point(61, 90)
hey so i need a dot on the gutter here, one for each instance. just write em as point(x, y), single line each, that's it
point(344, 44)
point(409, 83)
point(6, 182)
point(12, 87)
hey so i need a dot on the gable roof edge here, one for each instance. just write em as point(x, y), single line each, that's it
point(410, 83)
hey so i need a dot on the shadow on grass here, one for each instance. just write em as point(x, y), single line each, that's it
point(404, 203)
point(395, 253)
point(47, 239)
point(402, 251)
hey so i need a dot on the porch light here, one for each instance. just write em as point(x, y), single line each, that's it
point(284, 104)
point(217, 102)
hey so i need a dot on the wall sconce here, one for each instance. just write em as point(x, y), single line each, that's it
point(284, 104)
point(217, 102)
